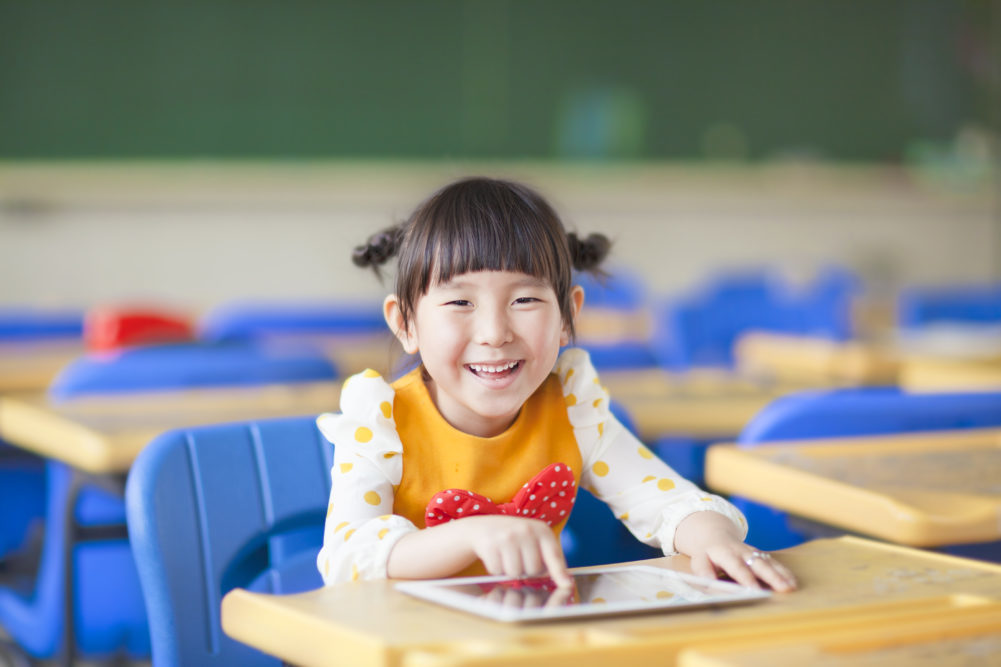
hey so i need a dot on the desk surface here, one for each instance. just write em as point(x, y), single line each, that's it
point(949, 363)
point(924, 489)
point(703, 403)
point(876, 594)
point(816, 360)
point(27, 366)
point(936, 374)
point(105, 434)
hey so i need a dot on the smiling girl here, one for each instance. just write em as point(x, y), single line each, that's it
point(470, 463)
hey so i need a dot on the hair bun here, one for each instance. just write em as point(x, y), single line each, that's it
point(378, 249)
point(587, 255)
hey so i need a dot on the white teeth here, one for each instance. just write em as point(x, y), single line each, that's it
point(480, 368)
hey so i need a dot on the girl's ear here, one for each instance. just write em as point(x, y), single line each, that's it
point(394, 318)
point(576, 302)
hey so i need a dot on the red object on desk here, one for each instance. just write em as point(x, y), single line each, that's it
point(111, 328)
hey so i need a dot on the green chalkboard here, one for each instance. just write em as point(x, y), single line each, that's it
point(848, 80)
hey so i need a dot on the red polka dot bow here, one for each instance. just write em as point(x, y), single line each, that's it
point(549, 497)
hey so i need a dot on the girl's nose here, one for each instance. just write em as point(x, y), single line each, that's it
point(493, 327)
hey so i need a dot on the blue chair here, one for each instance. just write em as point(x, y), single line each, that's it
point(963, 304)
point(855, 412)
point(593, 535)
point(623, 291)
point(86, 567)
point(218, 507)
point(262, 320)
point(701, 329)
point(189, 366)
point(33, 324)
point(22, 475)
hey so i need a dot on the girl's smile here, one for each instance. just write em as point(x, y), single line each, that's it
point(493, 372)
point(488, 340)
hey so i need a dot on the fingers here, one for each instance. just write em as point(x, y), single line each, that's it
point(556, 563)
point(776, 575)
point(749, 567)
point(531, 559)
point(738, 569)
point(519, 547)
point(703, 567)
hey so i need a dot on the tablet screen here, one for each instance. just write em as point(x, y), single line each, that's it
point(596, 591)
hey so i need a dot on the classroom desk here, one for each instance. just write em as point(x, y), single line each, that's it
point(937, 374)
point(104, 434)
point(27, 366)
point(856, 595)
point(920, 489)
point(816, 360)
point(701, 404)
point(352, 353)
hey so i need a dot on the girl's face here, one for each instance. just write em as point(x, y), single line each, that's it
point(488, 340)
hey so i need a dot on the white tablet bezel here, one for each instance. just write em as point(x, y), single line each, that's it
point(441, 591)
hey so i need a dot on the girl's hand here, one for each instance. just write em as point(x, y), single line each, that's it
point(507, 545)
point(516, 547)
point(711, 541)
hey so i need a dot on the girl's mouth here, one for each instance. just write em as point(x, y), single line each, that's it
point(494, 371)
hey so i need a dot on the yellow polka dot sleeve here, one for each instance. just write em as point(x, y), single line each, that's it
point(647, 495)
point(360, 528)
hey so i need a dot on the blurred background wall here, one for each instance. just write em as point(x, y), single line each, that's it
point(197, 152)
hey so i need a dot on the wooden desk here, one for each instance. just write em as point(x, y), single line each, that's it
point(104, 434)
point(27, 366)
point(937, 374)
point(701, 404)
point(808, 359)
point(940, 364)
point(924, 489)
point(871, 594)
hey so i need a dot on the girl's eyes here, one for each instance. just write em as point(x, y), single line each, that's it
point(519, 301)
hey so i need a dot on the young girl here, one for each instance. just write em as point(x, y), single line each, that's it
point(470, 463)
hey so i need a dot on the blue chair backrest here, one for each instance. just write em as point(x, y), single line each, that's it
point(621, 289)
point(700, 330)
point(174, 367)
point(33, 324)
point(251, 321)
point(622, 355)
point(966, 304)
point(218, 507)
point(869, 411)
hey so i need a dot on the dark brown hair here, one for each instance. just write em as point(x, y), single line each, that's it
point(482, 224)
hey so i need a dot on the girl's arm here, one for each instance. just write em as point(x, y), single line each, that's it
point(507, 545)
point(361, 529)
point(654, 502)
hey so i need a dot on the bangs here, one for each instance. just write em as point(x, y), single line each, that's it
point(483, 225)
point(508, 246)
point(488, 228)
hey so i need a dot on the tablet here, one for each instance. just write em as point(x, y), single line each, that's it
point(597, 591)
